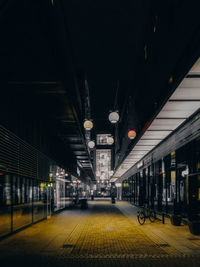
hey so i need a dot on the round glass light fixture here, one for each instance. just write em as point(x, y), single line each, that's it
point(91, 144)
point(131, 134)
point(110, 140)
point(88, 125)
point(113, 117)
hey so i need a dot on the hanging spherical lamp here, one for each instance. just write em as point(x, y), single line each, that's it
point(88, 125)
point(113, 117)
point(91, 144)
point(131, 134)
point(110, 140)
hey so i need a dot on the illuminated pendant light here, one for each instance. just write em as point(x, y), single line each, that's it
point(110, 140)
point(91, 144)
point(88, 125)
point(131, 134)
point(113, 117)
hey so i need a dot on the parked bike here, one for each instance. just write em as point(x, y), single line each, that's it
point(144, 214)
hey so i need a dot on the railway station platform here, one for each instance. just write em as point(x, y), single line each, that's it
point(100, 100)
point(103, 235)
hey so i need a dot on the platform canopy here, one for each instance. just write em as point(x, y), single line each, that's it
point(180, 106)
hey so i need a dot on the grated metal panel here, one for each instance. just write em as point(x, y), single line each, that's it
point(18, 157)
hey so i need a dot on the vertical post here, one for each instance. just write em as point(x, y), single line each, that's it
point(11, 183)
point(32, 185)
point(47, 201)
point(120, 193)
point(163, 218)
point(50, 201)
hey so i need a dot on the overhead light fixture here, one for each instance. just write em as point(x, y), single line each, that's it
point(91, 144)
point(110, 140)
point(131, 134)
point(113, 117)
point(88, 125)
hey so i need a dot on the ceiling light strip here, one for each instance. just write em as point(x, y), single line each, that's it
point(179, 107)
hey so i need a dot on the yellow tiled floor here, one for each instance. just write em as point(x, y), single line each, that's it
point(103, 235)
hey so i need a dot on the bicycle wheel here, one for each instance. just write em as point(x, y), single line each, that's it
point(152, 216)
point(141, 217)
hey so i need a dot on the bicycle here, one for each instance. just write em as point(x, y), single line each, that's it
point(146, 213)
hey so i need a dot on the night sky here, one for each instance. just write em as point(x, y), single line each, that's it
point(139, 44)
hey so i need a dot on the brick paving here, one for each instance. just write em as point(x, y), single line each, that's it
point(103, 235)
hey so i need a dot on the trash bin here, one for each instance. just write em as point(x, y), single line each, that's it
point(113, 200)
point(84, 204)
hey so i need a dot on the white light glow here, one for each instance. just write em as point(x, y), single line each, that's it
point(113, 117)
point(148, 142)
point(178, 109)
point(110, 140)
point(88, 125)
point(155, 134)
point(186, 94)
point(137, 152)
point(143, 148)
point(190, 83)
point(111, 173)
point(91, 144)
point(165, 124)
